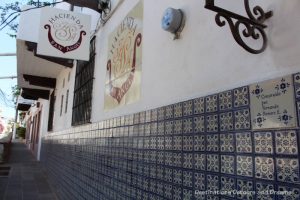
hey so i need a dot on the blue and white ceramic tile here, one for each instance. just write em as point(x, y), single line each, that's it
point(187, 108)
point(297, 85)
point(228, 186)
point(169, 112)
point(264, 168)
point(199, 124)
point(187, 143)
point(212, 142)
point(244, 166)
point(177, 193)
point(227, 142)
point(153, 115)
point(188, 160)
point(161, 113)
point(177, 143)
point(298, 111)
point(177, 176)
point(263, 142)
point(227, 164)
point(243, 142)
point(213, 162)
point(212, 123)
point(226, 121)
point(199, 143)
point(187, 194)
point(199, 181)
point(286, 142)
point(178, 126)
point(200, 161)
point(288, 193)
point(187, 126)
point(212, 182)
point(169, 127)
point(188, 178)
point(168, 191)
point(246, 189)
point(287, 170)
point(177, 110)
point(225, 101)
point(242, 119)
point(199, 105)
point(211, 103)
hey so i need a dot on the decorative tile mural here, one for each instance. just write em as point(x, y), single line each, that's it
point(206, 148)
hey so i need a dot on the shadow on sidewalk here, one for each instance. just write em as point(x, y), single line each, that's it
point(25, 179)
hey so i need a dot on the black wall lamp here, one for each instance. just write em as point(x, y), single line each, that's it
point(254, 24)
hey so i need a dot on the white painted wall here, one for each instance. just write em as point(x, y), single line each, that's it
point(205, 60)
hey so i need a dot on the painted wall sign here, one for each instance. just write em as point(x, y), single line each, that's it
point(123, 75)
point(64, 34)
point(273, 104)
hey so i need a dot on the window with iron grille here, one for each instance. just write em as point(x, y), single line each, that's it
point(82, 102)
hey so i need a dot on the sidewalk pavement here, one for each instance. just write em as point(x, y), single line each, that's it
point(26, 179)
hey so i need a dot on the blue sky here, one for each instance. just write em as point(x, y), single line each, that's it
point(8, 67)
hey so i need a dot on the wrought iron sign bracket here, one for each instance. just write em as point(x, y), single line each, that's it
point(254, 24)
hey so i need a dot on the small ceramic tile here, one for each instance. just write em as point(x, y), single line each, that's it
point(286, 142)
point(187, 160)
point(199, 143)
point(147, 129)
point(177, 193)
point(226, 121)
point(227, 164)
point(242, 119)
point(226, 142)
point(168, 158)
point(187, 108)
point(212, 142)
point(160, 157)
point(136, 118)
point(212, 122)
point(211, 103)
point(168, 175)
point(225, 100)
point(169, 112)
point(177, 143)
point(160, 188)
point(243, 142)
point(212, 182)
point(178, 126)
point(264, 168)
point(169, 127)
point(287, 170)
point(200, 161)
point(187, 178)
point(177, 159)
point(142, 117)
point(168, 143)
point(199, 124)
point(168, 191)
point(153, 128)
point(161, 113)
point(177, 110)
point(154, 115)
point(241, 97)
point(263, 142)
point(227, 186)
point(199, 181)
point(187, 194)
point(246, 188)
point(288, 193)
point(177, 176)
point(160, 128)
point(187, 143)
point(147, 118)
point(261, 189)
point(297, 85)
point(213, 162)
point(199, 105)
point(244, 166)
point(187, 127)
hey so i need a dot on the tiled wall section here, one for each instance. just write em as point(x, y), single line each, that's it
point(171, 152)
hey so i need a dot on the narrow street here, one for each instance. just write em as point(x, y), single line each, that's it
point(26, 180)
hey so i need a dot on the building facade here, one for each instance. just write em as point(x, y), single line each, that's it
point(150, 117)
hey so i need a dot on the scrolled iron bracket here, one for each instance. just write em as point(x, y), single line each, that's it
point(253, 25)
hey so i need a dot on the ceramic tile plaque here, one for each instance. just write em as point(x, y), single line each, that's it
point(272, 104)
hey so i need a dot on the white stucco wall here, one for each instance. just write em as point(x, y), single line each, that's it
point(204, 61)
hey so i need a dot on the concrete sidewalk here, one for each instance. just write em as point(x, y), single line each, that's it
point(26, 179)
